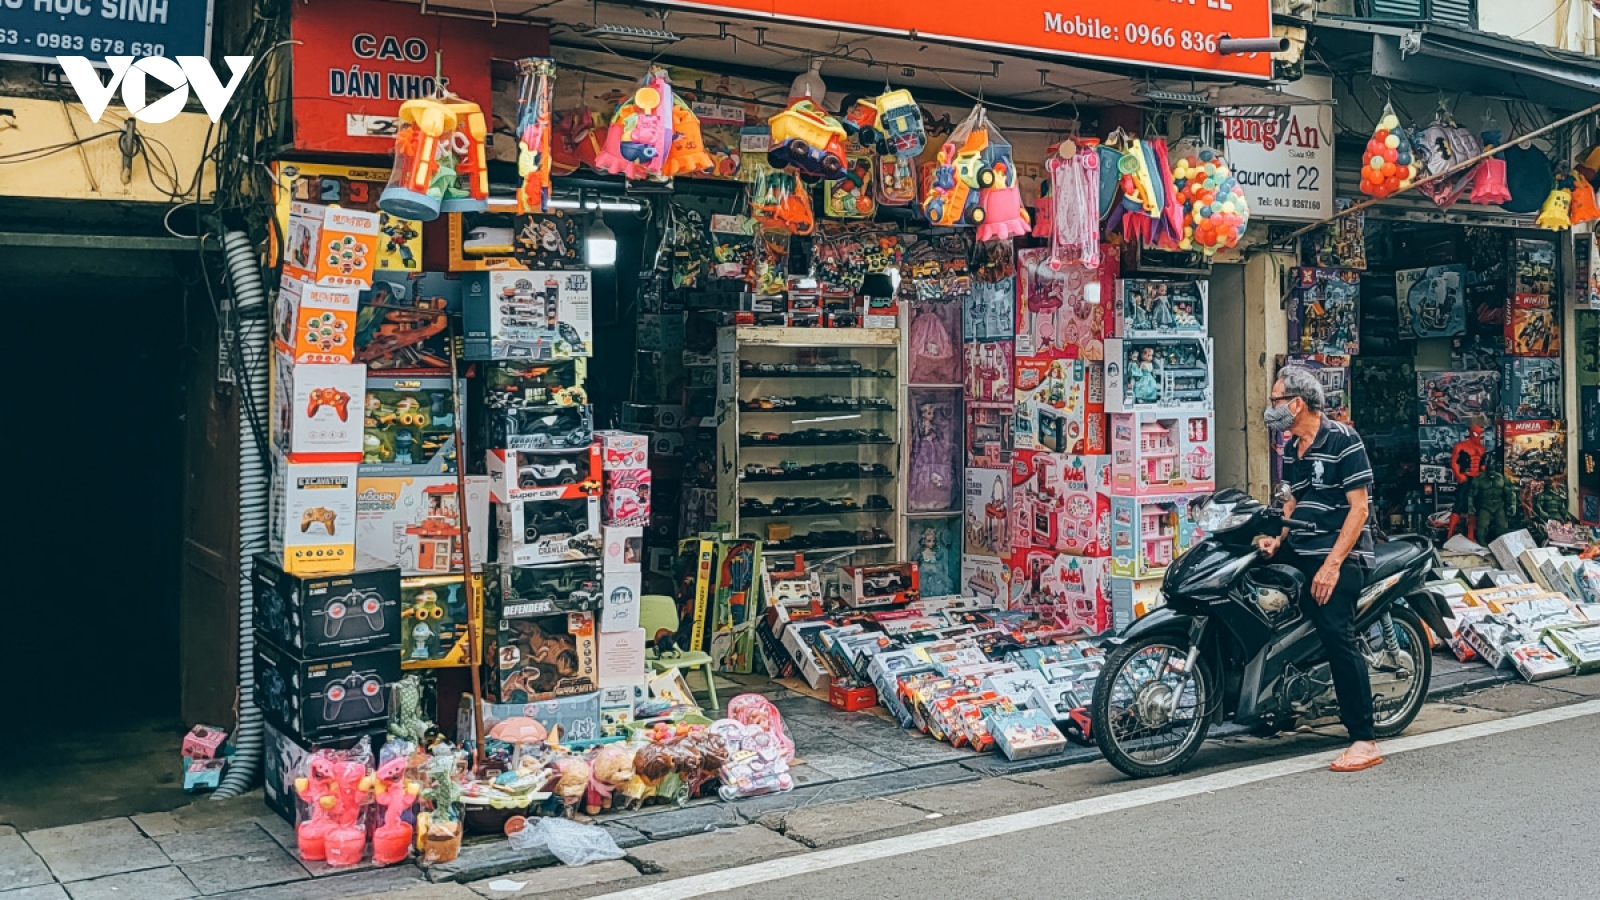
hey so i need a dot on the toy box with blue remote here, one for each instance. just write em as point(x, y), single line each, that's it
point(535, 316)
point(324, 698)
point(409, 426)
point(315, 616)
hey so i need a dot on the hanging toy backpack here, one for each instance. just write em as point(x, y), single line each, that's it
point(1439, 148)
point(535, 90)
point(1389, 166)
point(422, 169)
point(640, 136)
point(1003, 214)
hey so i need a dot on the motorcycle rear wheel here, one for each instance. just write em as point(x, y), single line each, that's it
point(1130, 705)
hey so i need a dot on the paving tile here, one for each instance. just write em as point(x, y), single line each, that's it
point(241, 839)
point(554, 879)
point(1585, 685)
point(19, 865)
point(705, 852)
point(269, 865)
point(40, 892)
point(423, 890)
point(95, 849)
point(488, 860)
point(676, 823)
point(150, 884)
point(975, 796)
point(7, 831)
point(155, 825)
point(843, 823)
point(348, 885)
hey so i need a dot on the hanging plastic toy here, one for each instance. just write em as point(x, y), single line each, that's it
point(900, 123)
point(1556, 214)
point(1073, 204)
point(640, 136)
point(950, 196)
point(1489, 188)
point(575, 142)
point(778, 200)
point(1003, 214)
point(1214, 205)
point(418, 180)
point(1584, 207)
point(535, 92)
point(468, 157)
point(687, 155)
point(1388, 164)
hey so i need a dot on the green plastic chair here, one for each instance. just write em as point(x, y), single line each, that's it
point(658, 613)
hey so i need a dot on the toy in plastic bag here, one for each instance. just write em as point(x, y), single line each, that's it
point(439, 825)
point(779, 201)
point(755, 764)
point(640, 136)
point(422, 168)
point(535, 93)
point(850, 197)
point(950, 196)
point(757, 710)
point(1389, 166)
point(395, 796)
point(687, 155)
point(900, 124)
point(1214, 205)
point(1439, 148)
point(1003, 215)
point(468, 157)
point(333, 791)
point(1489, 185)
point(896, 184)
point(572, 843)
point(1071, 206)
point(1584, 207)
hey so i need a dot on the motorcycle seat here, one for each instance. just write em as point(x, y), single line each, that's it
point(1397, 554)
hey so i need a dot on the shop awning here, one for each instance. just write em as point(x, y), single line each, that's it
point(1461, 60)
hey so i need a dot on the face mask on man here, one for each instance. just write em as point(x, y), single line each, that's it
point(1278, 417)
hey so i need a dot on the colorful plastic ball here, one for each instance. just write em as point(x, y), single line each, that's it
point(1389, 122)
point(1376, 162)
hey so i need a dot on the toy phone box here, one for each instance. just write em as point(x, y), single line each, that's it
point(532, 532)
point(525, 475)
point(313, 517)
point(541, 657)
point(520, 592)
point(316, 324)
point(409, 426)
point(331, 245)
point(529, 315)
point(324, 698)
point(401, 323)
point(433, 615)
point(283, 758)
point(326, 615)
point(415, 523)
point(317, 410)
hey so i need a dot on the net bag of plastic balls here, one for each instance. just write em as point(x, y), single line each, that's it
point(1215, 211)
point(1387, 165)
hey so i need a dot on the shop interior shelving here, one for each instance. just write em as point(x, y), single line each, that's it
point(802, 413)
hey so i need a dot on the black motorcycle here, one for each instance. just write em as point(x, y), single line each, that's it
point(1231, 642)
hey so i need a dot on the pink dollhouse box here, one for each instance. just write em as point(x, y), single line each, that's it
point(1162, 452)
point(1149, 532)
point(1061, 502)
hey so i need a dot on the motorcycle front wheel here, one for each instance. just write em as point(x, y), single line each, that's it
point(1149, 713)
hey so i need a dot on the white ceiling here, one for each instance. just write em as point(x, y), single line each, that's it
point(1005, 80)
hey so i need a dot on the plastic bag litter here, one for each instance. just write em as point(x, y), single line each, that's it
point(568, 841)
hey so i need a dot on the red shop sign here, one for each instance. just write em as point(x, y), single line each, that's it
point(1173, 34)
point(356, 61)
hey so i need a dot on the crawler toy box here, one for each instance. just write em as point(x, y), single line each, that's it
point(626, 501)
point(409, 426)
point(433, 615)
point(401, 323)
point(528, 315)
point(1148, 308)
point(622, 450)
point(541, 428)
point(314, 323)
point(317, 410)
point(331, 245)
point(521, 475)
point(326, 615)
point(324, 698)
point(415, 523)
point(1148, 533)
point(1157, 453)
point(313, 517)
point(1158, 373)
point(533, 532)
point(1061, 502)
point(541, 657)
point(881, 585)
point(519, 592)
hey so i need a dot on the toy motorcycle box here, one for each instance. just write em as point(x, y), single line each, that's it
point(324, 698)
point(543, 315)
point(542, 428)
point(409, 426)
point(433, 621)
point(315, 616)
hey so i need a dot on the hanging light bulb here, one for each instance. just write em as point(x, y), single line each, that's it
point(810, 84)
point(600, 243)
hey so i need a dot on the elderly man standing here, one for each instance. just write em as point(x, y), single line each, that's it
point(1328, 474)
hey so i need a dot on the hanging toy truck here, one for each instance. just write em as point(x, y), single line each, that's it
point(900, 124)
point(809, 140)
point(951, 200)
point(860, 120)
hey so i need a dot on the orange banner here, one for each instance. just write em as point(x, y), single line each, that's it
point(1171, 34)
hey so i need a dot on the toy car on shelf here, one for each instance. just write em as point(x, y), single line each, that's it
point(539, 474)
point(808, 139)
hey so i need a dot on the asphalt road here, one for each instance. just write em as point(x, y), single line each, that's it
point(1504, 815)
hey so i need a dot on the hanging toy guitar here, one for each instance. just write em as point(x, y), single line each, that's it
point(535, 92)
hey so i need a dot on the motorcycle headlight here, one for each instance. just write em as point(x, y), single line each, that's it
point(1215, 518)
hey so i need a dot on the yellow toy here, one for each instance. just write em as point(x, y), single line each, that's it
point(418, 180)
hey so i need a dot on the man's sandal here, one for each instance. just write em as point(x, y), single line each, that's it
point(1348, 763)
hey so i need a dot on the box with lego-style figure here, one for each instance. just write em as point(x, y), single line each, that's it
point(1530, 388)
point(331, 245)
point(401, 324)
point(314, 616)
point(1158, 373)
point(433, 614)
point(1535, 450)
point(521, 475)
point(313, 517)
point(415, 523)
point(1146, 307)
point(409, 426)
point(1060, 502)
point(1458, 398)
point(533, 532)
point(1162, 452)
point(317, 410)
point(315, 323)
point(1149, 532)
point(528, 315)
point(1060, 405)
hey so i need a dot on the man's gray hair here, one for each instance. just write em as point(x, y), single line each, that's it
point(1299, 382)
